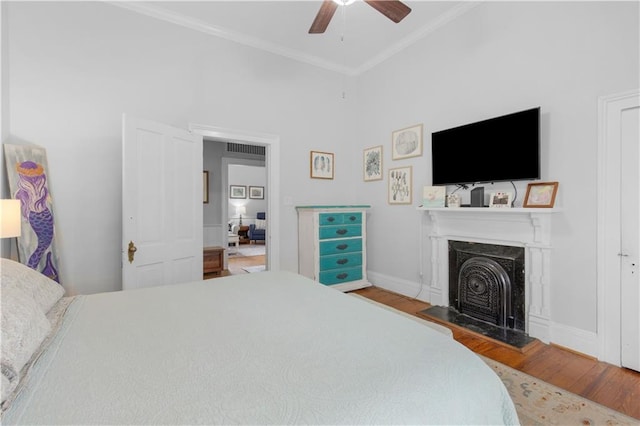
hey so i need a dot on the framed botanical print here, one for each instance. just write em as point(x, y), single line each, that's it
point(400, 185)
point(321, 165)
point(406, 143)
point(372, 163)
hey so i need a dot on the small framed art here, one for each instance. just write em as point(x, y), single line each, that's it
point(237, 191)
point(400, 185)
point(433, 196)
point(321, 165)
point(256, 192)
point(541, 194)
point(372, 163)
point(406, 143)
point(500, 200)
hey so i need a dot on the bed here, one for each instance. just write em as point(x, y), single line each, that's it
point(264, 348)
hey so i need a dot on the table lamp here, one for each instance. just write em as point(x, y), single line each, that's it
point(10, 221)
point(240, 210)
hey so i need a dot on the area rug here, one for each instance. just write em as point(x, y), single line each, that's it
point(252, 269)
point(541, 403)
point(538, 402)
point(248, 250)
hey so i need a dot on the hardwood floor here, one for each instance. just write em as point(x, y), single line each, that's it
point(616, 388)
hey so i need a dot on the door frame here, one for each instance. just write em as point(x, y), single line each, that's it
point(272, 164)
point(608, 223)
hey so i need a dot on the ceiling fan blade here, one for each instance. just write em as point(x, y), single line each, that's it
point(323, 17)
point(392, 9)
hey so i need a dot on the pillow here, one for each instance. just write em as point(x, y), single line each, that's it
point(42, 289)
point(24, 328)
point(261, 223)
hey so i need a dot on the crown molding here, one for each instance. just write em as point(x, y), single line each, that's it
point(163, 14)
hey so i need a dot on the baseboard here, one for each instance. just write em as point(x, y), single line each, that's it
point(398, 285)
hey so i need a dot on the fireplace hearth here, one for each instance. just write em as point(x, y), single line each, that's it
point(486, 291)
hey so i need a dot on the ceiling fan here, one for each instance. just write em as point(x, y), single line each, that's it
point(392, 9)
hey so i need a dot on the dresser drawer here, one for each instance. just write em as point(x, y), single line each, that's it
point(338, 261)
point(348, 245)
point(340, 231)
point(339, 276)
point(339, 218)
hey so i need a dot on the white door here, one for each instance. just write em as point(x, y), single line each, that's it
point(630, 238)
point(161, 204)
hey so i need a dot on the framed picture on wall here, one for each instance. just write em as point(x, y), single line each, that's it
point(205, 187)
point(406, 143)
point(256, 192)
point(400, 185)
point(372, 163)
point(321, 165)
point(238, 191)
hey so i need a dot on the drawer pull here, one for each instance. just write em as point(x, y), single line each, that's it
point(342, 276)
point(331, 219)
point(342, 261)
point(342, 246)
point(342, 231)
point(352, 218)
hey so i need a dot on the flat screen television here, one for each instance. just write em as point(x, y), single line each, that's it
point(504, 148)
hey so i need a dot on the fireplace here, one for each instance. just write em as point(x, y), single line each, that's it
point(486, 282)
point(509, 248)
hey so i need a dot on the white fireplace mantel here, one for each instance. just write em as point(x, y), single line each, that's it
point(529, 228)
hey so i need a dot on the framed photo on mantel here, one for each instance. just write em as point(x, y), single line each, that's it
point(541, 194)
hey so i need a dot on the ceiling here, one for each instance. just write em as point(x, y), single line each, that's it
point(282, 27)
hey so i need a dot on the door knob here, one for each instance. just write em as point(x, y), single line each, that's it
point(132, 251)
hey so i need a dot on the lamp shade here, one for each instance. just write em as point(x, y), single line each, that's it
point(9, 218)
point(241, 210)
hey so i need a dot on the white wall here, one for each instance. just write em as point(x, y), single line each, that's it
point(503, 57)
point(76, 67)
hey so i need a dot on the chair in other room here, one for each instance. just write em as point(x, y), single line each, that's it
point(258, 230)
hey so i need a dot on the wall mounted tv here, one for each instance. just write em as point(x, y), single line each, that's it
point(504, 148)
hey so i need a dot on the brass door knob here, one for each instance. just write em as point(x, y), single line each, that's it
point(132, 251)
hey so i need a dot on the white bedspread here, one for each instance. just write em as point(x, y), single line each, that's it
point(268, 348)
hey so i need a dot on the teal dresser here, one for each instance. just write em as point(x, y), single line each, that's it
point(332, 245)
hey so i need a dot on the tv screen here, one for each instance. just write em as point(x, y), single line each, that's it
point(503, 148)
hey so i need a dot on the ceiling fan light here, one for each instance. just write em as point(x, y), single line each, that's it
point(343, 2)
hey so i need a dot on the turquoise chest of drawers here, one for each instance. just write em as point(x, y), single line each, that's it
point(332, 245)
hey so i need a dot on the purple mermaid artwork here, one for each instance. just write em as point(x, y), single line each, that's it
point(29, 185)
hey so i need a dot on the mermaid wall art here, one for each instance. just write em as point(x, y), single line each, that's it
point(28, 182)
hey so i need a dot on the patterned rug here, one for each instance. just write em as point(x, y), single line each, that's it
point(541, 403)
point(252, 269)
point(247, 250)
point(538, 402)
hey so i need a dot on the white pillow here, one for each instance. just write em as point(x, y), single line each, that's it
point(24, 328)
point(261, 223)
point(42, 289)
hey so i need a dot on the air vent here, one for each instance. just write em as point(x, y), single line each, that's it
point(245, 149)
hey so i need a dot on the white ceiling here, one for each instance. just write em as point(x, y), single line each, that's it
point(282, 27)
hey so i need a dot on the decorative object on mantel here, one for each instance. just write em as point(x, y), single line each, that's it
point(372, 163)
point(28, 171)
point(321, 165)
point(256, 192)
point(237, 191)
point(453, 201)
point(400, 185)
point(433, 196)
point(501, 200)
point(541, 194)
point(407, 142)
